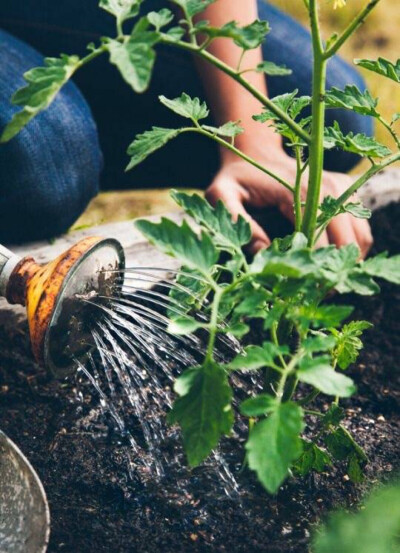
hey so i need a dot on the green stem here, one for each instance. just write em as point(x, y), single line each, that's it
point(390, 130)
point(213, 324)
point(350, 29)
point(297, 191)
point(366, 176)
point(238, 152)
point(264, 100)
point(316, 149)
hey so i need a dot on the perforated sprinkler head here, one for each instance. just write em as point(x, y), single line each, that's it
point(53, 293)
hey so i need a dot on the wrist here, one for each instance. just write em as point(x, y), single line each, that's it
point(260, 144)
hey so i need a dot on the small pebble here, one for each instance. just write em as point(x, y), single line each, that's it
point(346, 477)
point(194, 537)
point(381, 418)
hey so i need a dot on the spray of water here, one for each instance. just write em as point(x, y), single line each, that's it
point(133, 364)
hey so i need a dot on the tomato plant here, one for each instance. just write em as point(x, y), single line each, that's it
point(308, 342)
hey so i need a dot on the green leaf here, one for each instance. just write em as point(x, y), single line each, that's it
point(175, 34)
point(383, 67)
point(238, 329)
point(271, 69)
point(341, 445)
point(249, 37)
point(326, 316)
point(274, 444)
point(292, 264)
point(356, 143)
point(184, 325)
point(357, 210)
point(256, 357)
point(193, 7)
point(353, 99)
point(190, 292)
point(254, 304)
point(43, 85)
point(312, 458)
point(197, 252)
point(160, 19)
point(229, 130)
point(318, 343)
point(203, 410)
point(216, 220)
point(384, 267)
point(258, 405)
point(342, 269)
point(188, 107)
point(149, 142)
point(134, 58)
point(330, 207)
point(333, 416)
point(374, 529)
point(121, 9)
point(348, 343)
point(318, 372)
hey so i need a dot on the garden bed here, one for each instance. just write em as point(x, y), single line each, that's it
point(96, 508)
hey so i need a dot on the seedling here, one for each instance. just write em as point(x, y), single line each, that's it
point(307, 345)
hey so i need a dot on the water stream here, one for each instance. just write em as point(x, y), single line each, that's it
point(132, 368)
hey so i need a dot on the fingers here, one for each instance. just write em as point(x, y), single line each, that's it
point(340, 231)
point(363, 235)
point(231, 193)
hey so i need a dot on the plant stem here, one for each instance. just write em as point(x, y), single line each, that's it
point(390, 130)
point(238, 152)
point(264, 100)
point(213, 324)
point(316, 154)
point(350, 29)
point(366, 176)
point(297, 191)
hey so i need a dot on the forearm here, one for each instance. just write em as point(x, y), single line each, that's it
point(228, 99)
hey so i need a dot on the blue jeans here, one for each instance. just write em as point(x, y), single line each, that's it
point(51, 170)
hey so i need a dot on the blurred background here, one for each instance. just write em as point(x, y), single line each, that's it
point(379, 36)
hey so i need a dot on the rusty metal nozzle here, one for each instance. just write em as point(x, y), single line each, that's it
point(53, 293)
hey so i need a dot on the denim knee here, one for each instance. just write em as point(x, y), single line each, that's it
point(50, 170)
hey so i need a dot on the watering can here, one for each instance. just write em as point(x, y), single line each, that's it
point(24, 512)
point(51, 295)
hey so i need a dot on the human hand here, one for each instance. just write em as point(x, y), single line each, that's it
point(240, 186)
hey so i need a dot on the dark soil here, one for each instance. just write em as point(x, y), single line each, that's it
point(94, 505)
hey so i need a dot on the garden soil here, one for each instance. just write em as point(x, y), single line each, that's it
point(96, 508)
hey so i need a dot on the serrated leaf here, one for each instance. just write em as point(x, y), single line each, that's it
point(190, 292)
point(134, 58)
point(326, 316)
point(314, 344)
point(148, 143)
point(254, 304)
point(249, 37)
point(330, 207)
point(161, 18)
point(381, 66)
point(203, 410)
point(318, 372)
point(356, 143)
point(191, 108)
point(333, 416)
point(342, 445)
point(292, 264)
point(197, 252)
point(353, 99)
point(270, 68)
point(274, 444)
point(256, 357)
point(348, 343)
point(44, 83)
point(258, 405)
point(342, 269)
point(218, 220)
point(175, 34)
point(312, 458)
point(229, 130)
point(193, 7)
point(384, 267)
point(184, 325)
point(121, 9)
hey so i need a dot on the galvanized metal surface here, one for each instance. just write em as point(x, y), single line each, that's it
point(24, 511)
